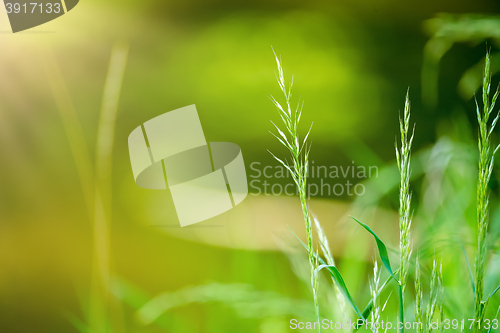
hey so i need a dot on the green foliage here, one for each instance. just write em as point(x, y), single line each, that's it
point(382, 249)
point(403, 161)
point(339, 281)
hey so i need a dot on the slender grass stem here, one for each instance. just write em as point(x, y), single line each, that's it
point(103, 187)
point(419, 315)
point(486, 156)
point(403, 158)
point(434, 297)
point(374, 288)
point(298, 167)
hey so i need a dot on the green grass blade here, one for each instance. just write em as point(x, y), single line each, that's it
point(334, 272)
point(496, 316)
point(369, 307)
point(468, 266)
point(493, 293)
point(382, 249)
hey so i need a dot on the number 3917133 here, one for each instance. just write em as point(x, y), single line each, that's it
point(485, 323)
point(33, 8)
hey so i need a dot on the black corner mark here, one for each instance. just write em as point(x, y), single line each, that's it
point(70, 4)
point(26, 14)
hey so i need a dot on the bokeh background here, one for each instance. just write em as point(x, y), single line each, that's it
point(65, 268)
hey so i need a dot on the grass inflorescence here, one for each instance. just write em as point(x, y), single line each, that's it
point(434, 309)
point(374, 290)
point(403, 159)
point(486, 158)
point(298, 167)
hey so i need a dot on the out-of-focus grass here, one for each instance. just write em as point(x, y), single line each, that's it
point(446, 30)
point(220, 61)
point(96, 184)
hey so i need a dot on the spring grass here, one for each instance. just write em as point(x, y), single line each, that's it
point(298, 167)
point(419, 297)
point(435, 308)
point(403, 159)
point(441, 298)
point(374, 291)
point(486, 158)
point(325, 248)
point(431, 307)
point(403, 162)
point(436, 297)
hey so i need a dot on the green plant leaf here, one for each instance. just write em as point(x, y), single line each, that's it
point(492, 294)
point(468, 266)
point(334, 272)
point(382, 249)
point(496, 316)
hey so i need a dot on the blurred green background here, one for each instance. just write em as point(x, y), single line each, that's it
point(352, 64)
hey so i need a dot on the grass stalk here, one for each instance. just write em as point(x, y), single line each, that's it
point(441, 298)
point(403, 159)
point(374, 290)
point(433, 299)
point(298, 167)
point(485, 169)
point(419, 297)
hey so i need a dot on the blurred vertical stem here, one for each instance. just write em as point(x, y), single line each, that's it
point(96, 184)
point(485, 169)
point(434, 50)
point(103, 186)
point(72, 127)
point(403, 159)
